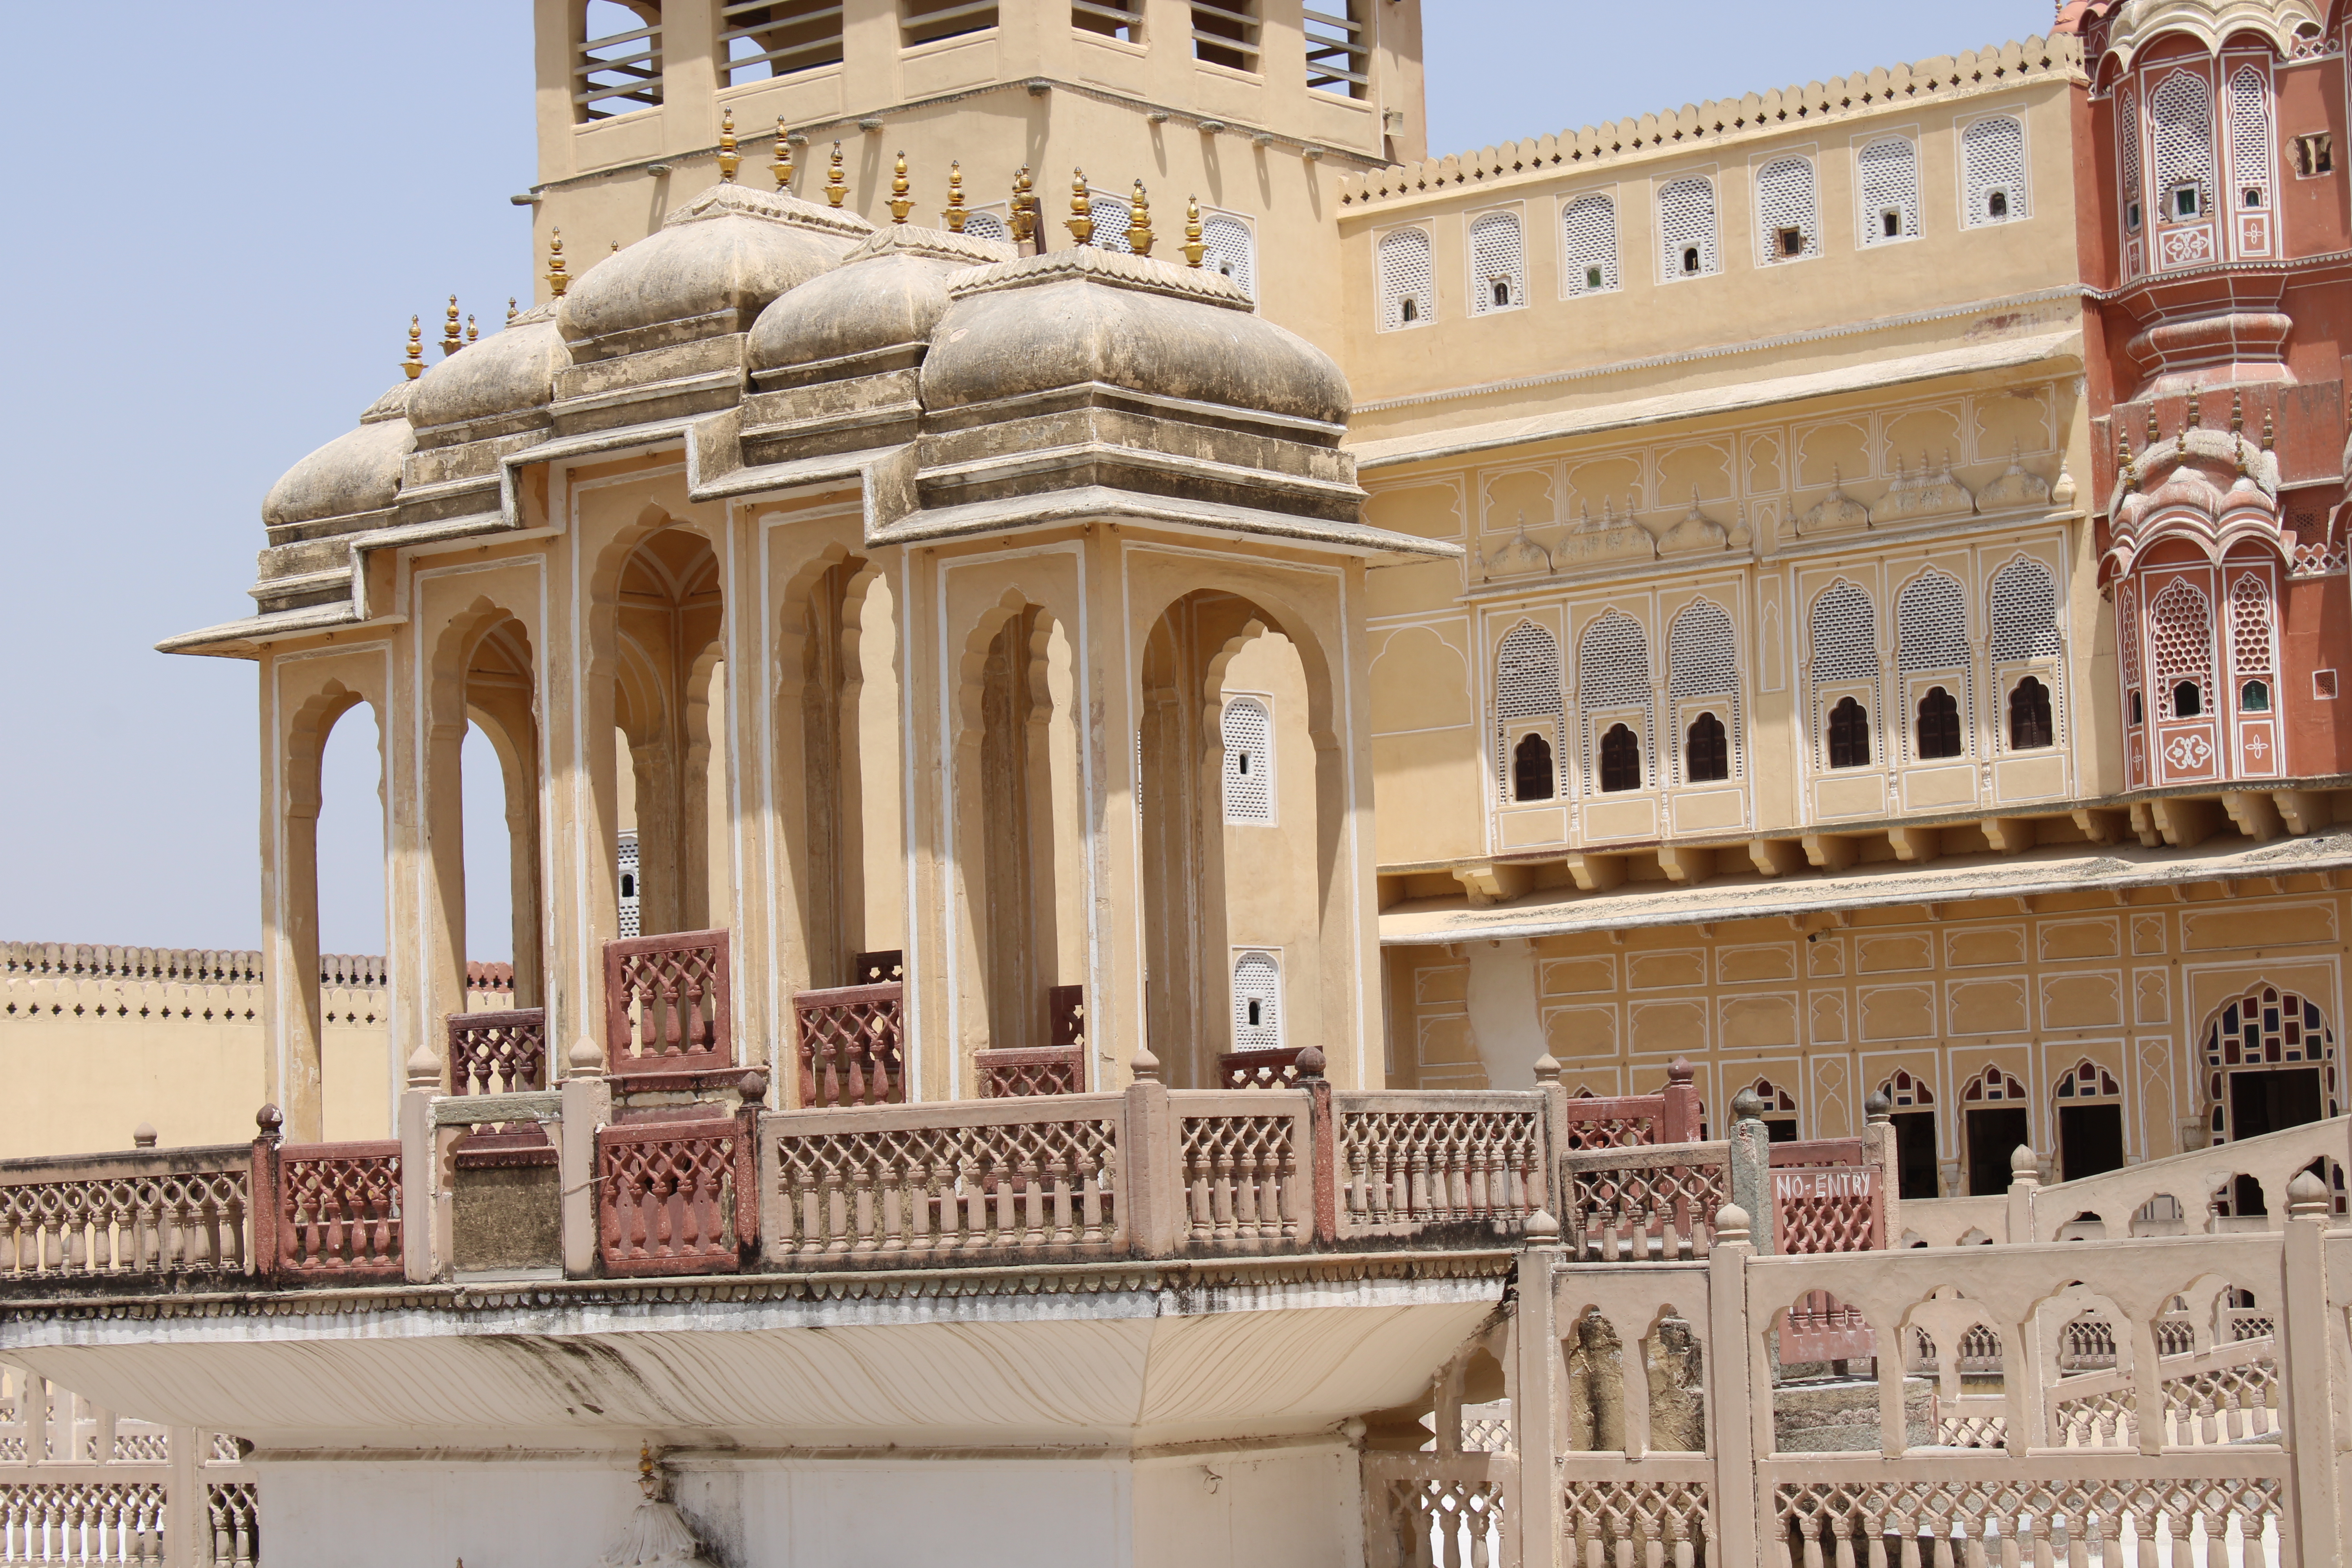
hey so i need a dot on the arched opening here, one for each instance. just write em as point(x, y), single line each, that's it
point(497, 912)
point(2270, 1064)
point(669, 703)
point(2029, 715)
point(351, 836)
point(1533, 773)
point(1621, 760)
point(839, 755)
point(1019, 840)
point(1707, 758)
point(1235, 904)
point(1849, 734)
point(1939, 724)
point(2090, 1106)
point(1914, 1119)
point(2188, 699)
point(1992, 1107)
point(489, 901)
point(345, 976)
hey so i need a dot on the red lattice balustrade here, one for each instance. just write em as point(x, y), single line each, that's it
point(674, 1197)
point(668, 1016)
point(850, 1041)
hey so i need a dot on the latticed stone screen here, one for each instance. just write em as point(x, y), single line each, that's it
point(2180, 622)
point(1405, 291)
point(1230, 249)
point(1992, 172)
point(1248, 735)
point(1526, 685)
point(987, 225)
point(1888, 173)
point(1589, 223)
point(2249, 136)
point(1257, 1003)
point(1845, 642)
point(1702, 662)
point(1612, 674)
point(2128, 132)
point(1686, 228)
point(1784, 202)
point(2250, 625)
point(1498, 268)
point(1931, 632)
point(1110, 214)
point(2183, 107)
point(2025, 613)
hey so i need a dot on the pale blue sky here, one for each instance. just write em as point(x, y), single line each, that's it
point(224, 221)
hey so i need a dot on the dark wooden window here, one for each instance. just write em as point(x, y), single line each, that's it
point(1939, 724)
point(1532, 774)
point(1621, 760)
point(2188, 699)
point(1707, 756)
point(1849, 734)
point(2029, 715)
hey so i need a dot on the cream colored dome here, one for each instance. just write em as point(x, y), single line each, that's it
point(509, 372)
point(713, 265)
point(1083, 315)
point(356, 471)
point(887, 293)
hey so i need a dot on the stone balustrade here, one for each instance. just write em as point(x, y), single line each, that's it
point(88, 1217)
point(850, 1041)
point(79, 1484)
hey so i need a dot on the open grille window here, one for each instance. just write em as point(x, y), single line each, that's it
point(2128, 133)
point(1499, 269)
point(1703, 662)
point(2252, 153)
point(620, 64)
point(928, 21)
point(2182, 106)
point(1589, 225)
point(776, 38)
point(1992, 172)
point(1888, 171)
point(1612, 672)
point(1340, 49)
point(1526, 687)
point(2181, 622)
point(1405, 281)
point(1257, 1003)
point(1844, 652)
point(1229, 247)
point(1248, 736)
point(1932, 635)
point(2025, 613)
point(1786, 212)
point(1686, 228)
point(1225, 33)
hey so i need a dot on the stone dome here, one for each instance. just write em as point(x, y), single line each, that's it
point(510, 372)
point(1083, 315)
point(715, 263)
point(356, 471)
point(887, 293)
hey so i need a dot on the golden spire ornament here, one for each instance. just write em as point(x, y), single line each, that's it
point(1023, 220)
point(413, 365)
point(900, 203)
point(953, 217)
point(2154, 434)
point(2124, 463)
point(510, 310)
point(782, 166)
point(2237, 412)
point(835, 184)
point(451, 339)
point(1081, 221)
point(1139, 221)
point(473, 332)
point(2267, 429)
point(728, 159)
point(556, 281)
point(1193, 248)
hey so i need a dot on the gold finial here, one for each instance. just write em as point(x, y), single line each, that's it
point(472, 331)
point(451, 339)
point(616, 248)
point(836, 186)
point(413, 365)
point(2237, 412)
point(2124, 463)
point(782, 166)
point(2154, 434)
point(1024, 223)
point(556, 281)
point(1139, 221)
point(1193, 248)
point(510, 310)
point(954, 215)
point(729, 161)
point(2267, 429)
point(900, 203)
point(1081, 221)
point(2196, 411)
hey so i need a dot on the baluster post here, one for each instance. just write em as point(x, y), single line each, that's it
point(586, 1102)
point(1322, 1152)
point(2304, 1379)
point(266, 1201)
point(1739, 1401)
point(1149, 1198)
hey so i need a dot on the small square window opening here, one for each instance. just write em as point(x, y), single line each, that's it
point(1789, 241)
point(1890, 222)
point(2322, 685)
point(1593, 277)
point(1690, 260)
point(2254, 196)
point(2131, 216)
point(1997, 207)
point(2315, 154)
point(2184, 201)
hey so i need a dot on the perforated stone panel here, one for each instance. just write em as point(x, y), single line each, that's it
point(1784, 199)
point(1589, 223)
point(1703, 660)
point(1992, 158)
point(1846, 649)
point(1497, 261)
point(987, 225)
point(2250, 625)
point(2182, 111)
point(1231, 250)
point(2025, 613)
point(1111, 213)
point(1405, 275)
point(1613, 671)
point(627, 857)
point(2127, 633)
point(2251, 152)
point(1686, 221)
point(1257, 978)
point(2128, 133)
point(2180, 627)
point(1526, 685)
point(1888, 173)
point(1931, 625)
point(1247, 732)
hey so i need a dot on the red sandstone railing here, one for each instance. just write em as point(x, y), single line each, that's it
point(497, 1053)
point(337, 1218)
point(1657, 1200)
point(668, 1010)
point(676, 1197)
point(1259, 1069)
point(851, 1045)
point(1675, 1115)
point(145, 1211)
point(1825, 1198)
point(1056, 1068)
